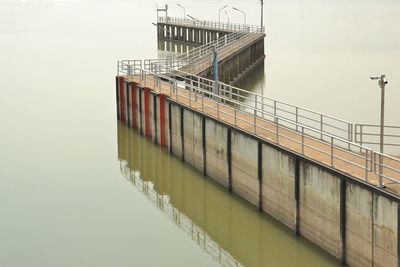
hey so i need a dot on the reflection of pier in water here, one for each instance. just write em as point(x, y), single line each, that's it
point(229, 229)
point(180, 219)
point(163, 201)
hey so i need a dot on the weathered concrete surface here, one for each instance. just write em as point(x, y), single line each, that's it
point(278, 185)
point(320, 207)
point(384, 231)
point(244, 167)
point(193, 139)
point(216, 152)
point(176, 130)
point(358, 226)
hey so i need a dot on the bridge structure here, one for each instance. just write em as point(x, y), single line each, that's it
point(239, 47)
point(176, 102)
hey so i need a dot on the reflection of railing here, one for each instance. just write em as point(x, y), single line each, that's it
point(369, 134)
point(184, 223)
point(213, 24)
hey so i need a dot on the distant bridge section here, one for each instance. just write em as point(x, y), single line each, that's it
point(239, 47)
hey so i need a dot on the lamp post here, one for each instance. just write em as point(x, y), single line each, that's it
point(219, 12)
point(184, 10)
point(244, 14)
point(170, 36)
point(382, 83)
point(163, 10)
point(227, 16)
point(262, 12)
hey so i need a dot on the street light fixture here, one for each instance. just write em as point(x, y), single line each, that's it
point(219, 12)
point(184, 10)
point(382, 83)
point(244, 14)
point(262, 12)
point(227, 16)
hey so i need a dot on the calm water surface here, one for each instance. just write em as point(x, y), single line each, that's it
point(75, 192)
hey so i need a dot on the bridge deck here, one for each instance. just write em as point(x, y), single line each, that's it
point(266, 130)
point(205, 63)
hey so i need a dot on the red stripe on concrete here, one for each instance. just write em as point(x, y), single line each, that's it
point(162, 120)
point(146, 111)
point(133, 101)
point(121, 99)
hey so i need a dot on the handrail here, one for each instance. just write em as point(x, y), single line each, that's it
point(324, 123)
point(363, 131)
point(213, 24)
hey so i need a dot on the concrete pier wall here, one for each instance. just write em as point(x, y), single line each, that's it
point(354, 221)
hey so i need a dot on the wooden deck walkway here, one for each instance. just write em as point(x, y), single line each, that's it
point(266, 130)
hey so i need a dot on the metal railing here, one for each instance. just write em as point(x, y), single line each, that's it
point(368, 133)
point(165, 65)
point(128, 67)
point(213, 24)
point(198, 93)
point(270, 107)
point(387, 167)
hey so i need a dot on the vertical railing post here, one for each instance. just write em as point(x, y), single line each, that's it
point(255, 105)
point(302, 140)
point(277, 130)
point(331, 151)
point(322, 125)
point(202, 102)
point(218, 108)
point(235, 114)
point(190, 98)
point(255, 122)
point(366, 165)
point(380, 170)
point(297, 119)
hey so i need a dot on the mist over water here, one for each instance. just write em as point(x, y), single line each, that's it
point(63, 198)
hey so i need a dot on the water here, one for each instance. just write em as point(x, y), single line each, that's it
point(64, 200)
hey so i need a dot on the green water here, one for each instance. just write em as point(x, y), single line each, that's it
point(64, 160)
point(222, 225)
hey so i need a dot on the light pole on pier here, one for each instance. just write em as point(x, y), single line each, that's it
point(219, 12)
point(244, 13)
point(163, 10)
point(227, 16)
point(184, 10)
point(382, 83)
point(262, 12)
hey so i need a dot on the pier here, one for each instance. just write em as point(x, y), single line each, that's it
point(300, 166)
point(239, 47)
